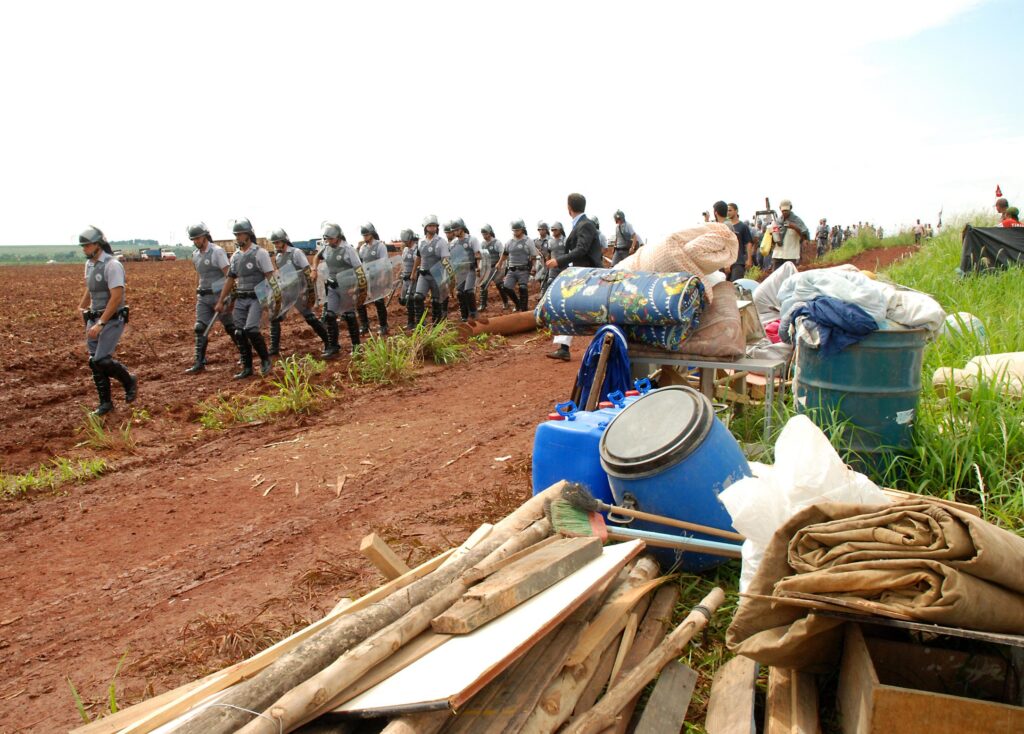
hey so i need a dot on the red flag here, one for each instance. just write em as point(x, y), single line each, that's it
point(999, 191)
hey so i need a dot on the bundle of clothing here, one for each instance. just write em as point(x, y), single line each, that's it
point(656, 309)
point(917, 559)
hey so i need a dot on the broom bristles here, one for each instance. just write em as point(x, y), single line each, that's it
point(570, 520)
point(579, 496)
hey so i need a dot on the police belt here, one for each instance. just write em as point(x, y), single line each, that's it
point(517, 268)
point(204, 291)
point(244, 295)
point(95, 315)
point(330, 283)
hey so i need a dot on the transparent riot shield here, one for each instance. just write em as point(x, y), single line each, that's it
point(345, 288)
point(443, 274)
point(380, 278)
point(462, 261)
point(281, 292)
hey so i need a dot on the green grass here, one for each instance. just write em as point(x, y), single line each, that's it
point(438, 343)
point(862, 243)
point(294, 393)
point(50, 477)
point(396, 359)
point(109, 703)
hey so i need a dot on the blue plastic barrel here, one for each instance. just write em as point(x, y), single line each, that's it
point(667, 454)
point(566, 447)
point(873, 386)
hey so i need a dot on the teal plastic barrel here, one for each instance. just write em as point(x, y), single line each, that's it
point(874, 385)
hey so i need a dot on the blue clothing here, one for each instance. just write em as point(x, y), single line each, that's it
point(617, 376)
point(840, 324)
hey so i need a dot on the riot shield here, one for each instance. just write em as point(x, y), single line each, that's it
point(443, 274)
point(380, 278)
point(281, 292)
point(346, 288)
point(462, 261)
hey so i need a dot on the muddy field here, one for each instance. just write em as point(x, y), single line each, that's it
point(180, 557)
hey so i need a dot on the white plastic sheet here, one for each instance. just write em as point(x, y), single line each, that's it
point(807, 471)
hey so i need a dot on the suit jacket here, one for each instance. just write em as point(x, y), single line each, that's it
point(583, 248)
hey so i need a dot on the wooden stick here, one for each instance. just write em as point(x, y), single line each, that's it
point(429, 723)
point(670, 521)
point(628, 635)
point(340, 484)
point(604, 712)
point(381, 555)
point(602, 366)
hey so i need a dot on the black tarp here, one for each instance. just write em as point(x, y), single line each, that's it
point(991, 247)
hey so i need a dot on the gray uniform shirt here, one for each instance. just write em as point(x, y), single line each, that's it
point(370, 251)
point(292, 255)
point(493, 250)
point(408, 260)
point(624, 236)
point(210, 264)
point(342, 257)
point(431, 252)
point(248, 267)
point(462, 250)
point(557, 246)
point(520, 251)
point(100, 276)
point(541, 244)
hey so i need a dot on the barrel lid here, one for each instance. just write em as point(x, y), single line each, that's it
point(632, 393)
point(556, 417)
point(658, 430)
point(606, 404)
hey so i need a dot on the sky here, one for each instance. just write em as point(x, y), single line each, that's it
point(142, 118)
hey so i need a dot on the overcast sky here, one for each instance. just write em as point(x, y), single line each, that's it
point(142, 117)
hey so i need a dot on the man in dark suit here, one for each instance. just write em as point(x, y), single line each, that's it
point(583, 250)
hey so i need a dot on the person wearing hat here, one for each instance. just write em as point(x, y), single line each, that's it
point(408, 287)
point(540, 243)
point(491, 252)
point(211, 264)
point(249, 266)
point(287, 254)
point(105, 313)
point(556, 249)
point(1012, 217)
point(519, 255)
point(340, 258)
point(791, 233)
point(371, 250)
point(822, 236)
point(466, 254)
point(625, 239)
point(432, 257)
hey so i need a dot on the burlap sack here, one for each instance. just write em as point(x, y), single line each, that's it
point(964, 573)
point(700, 250)
point(719, 334)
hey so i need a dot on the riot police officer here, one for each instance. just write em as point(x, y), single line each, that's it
point(556, 248)
point(249, 266)
point(211, 264)
point(370, 250)
point(466, 252)
point(405, 295)
point(340, 258)
point(105, 313)
point(491, 251)
point(432, 256)
point(519, 254)
point(540, 273)
point(286, 254)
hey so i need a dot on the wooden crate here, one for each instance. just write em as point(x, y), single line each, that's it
point(888, 686)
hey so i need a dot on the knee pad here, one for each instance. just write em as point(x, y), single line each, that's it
point(310, 318)
point(420, 299)
point(240, 333)
point(102, 365)
point(252, 333)
point(199, 328)
point(329, 316)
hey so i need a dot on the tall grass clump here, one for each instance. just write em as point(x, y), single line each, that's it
point(50, 476)
point(439, 343)
point(385, 361)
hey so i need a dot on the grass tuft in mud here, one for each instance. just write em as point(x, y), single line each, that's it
point(50, 477)
point(396, 358)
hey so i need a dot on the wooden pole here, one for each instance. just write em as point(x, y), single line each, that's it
point(604, 712)
point(602, 366)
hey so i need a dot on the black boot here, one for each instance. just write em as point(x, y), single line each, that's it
point(245, 354)
point(130, 383)
point(436, 311)
point(318, 328)
point(260, 347)
point(483, 298)
point(561, 353)
point(418, 311)
point(444, 307)
point(353, 329)
point(524, 298)
point(463, 306)
point(200, 357)
point(331, 327)
point(102, 382)
point(242, 344)
point(506, 296)
point(275, 338)
point(471, 304)
point(382, 317)
point(364, 321)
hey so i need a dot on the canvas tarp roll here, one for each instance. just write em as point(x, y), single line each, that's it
point(916, 559)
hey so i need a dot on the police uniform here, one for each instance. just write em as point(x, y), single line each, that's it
point(490, 254)
point(406, 293)
point(623, 242)
point(519, 251)
point(433, 254)
point(556, 249)
point(307, 298)
point(464, 253)
point(248, 268)
point(541, 244)
point(369, 252)
point(209, 264)
point(102, 275)
point(343, 269)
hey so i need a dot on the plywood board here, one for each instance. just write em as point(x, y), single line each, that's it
point(666, 708)
point(463, 665)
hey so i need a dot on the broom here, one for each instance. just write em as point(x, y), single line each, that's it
point(574, 522)
point(579, 496)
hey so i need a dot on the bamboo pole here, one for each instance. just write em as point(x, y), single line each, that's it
point(604, 712)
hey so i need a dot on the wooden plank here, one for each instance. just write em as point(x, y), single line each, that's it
point(516, 583)
point(599, 680)
point(666, 708)
point(804, 703)
point(482, 571)
point(778, 707)
point(628, 635)
point(381, 555)
point(403, 657)
point(731, 708)
point(610, 621)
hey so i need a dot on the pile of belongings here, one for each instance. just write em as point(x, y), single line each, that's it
point(823, 537)
point(832, 308)
point(1003, 372)
point(984, 248)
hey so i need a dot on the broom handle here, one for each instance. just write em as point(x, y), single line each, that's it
point(602, 366)
point(671, 521)
point(660, 540)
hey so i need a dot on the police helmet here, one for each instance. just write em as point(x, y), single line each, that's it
point(558, 226)
point(330, 230)
point(542, 224)
point(619, 215)
point(407, 235)
point(449, 226)
point(457, 223)
point(279, 235)
point(596, 222)
point(517, 224)
point(198, 230)
point(487, 229)
point(93, 235)
point(243, 226)
point(429, 219)
point(368, 228)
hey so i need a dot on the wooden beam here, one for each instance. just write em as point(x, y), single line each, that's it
point(666, 708)
point(731, 708)
point(381, 555)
